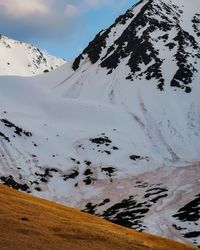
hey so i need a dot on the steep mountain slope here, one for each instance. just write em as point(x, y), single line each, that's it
point(31, 223)
point(162, 34)
point(116, 132)
point(23, 59)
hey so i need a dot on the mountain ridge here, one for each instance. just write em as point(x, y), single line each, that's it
point(160, 16)
point(23, 59)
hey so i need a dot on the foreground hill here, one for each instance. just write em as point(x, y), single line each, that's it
point(31, 223)
point(116, 132)
point(18, 58)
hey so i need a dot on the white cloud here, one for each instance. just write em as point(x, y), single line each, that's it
point(22, 8)
point(49, 20)
point(71, 10)
point(96, 3)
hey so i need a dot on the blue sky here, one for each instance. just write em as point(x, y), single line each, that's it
point(60, 27)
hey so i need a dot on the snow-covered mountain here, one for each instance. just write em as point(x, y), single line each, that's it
point(18, 58)
point(116, 132)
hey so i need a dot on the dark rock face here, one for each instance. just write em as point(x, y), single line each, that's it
point(139, 49)
point(130, 211)
point(196, 24)
point(127, 213)
point(190, 213)
point(185, 73)
point(96, 46)
point(137, 45)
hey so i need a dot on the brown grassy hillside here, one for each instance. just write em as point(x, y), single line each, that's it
point(30, 223)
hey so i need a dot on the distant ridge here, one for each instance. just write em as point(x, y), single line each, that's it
point(18, 58)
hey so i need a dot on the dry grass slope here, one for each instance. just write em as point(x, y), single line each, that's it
point(28, 223)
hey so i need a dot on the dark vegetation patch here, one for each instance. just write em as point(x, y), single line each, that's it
point(154, 200)
point(135, 157)
point(88, 163)
point(115, 148)
point(105, 201)
point(17, 130)
point(10, 182)
point(107, 152)
point(46, 174)
point(74, 160)
point(72, 174)
point(194, 234)
point(88, 172)
point(109, 171)
point(190, 212)
point(154, 191)
point(178, 227)
point(90, 208)
point(127, 213)
point(4, 137)
point(101, 140)
point(89, 180)
point(141, 184)
point(88, 177)
point(130, 211)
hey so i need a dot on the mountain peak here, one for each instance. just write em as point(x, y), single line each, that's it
point(18, 58)
point(150, 36)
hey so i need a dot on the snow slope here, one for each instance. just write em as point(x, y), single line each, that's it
point(116, 131)
point(23, 59)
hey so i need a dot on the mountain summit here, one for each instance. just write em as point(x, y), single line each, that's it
point(156, 40)
point(18, 58)
point(115, 132)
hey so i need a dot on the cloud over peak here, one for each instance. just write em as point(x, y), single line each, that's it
point(21, 8)
point(50, 20)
